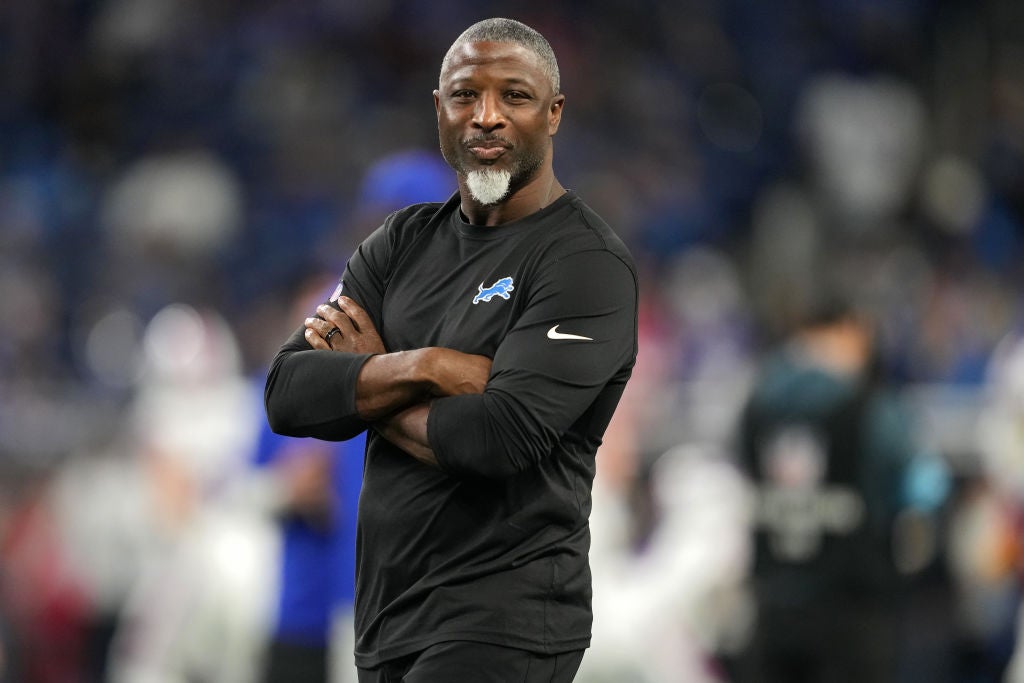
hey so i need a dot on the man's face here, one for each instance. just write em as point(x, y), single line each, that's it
point(496, 110)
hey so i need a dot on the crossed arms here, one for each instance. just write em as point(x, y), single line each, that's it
point(432, 402)
point(394, 390)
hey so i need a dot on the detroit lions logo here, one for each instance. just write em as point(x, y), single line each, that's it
point(500, 288)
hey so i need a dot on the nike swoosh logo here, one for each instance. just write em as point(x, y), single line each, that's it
point(553, 333)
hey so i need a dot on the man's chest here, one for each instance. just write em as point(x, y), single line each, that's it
point(463, 295)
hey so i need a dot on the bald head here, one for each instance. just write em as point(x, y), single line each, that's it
point(500, 30)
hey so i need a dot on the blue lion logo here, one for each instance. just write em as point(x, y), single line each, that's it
point(500, 288)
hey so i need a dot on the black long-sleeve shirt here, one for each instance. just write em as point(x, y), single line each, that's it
point(492, 546)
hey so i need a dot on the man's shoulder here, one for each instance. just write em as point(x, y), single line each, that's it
point(591, 231)
point(415, 216)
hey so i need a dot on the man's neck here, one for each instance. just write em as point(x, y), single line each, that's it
point(539, 192)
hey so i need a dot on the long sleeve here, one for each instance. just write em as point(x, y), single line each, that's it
point(566, 359)
point(313, 393)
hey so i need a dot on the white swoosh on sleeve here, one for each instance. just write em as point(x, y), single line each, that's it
point(553, 333)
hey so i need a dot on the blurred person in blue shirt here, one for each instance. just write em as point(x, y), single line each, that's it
point(319, 491)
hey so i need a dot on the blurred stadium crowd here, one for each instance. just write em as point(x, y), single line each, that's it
point(172, 171)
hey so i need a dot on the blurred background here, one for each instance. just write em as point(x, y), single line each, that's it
point(181, 180)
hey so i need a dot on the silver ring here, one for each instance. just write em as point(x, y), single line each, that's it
point(330, 333)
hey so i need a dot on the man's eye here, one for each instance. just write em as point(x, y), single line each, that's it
point(516, 95)
point(463, 94)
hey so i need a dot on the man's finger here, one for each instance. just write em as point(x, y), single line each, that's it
point(319, 326)
point(335, 318)
point(313, 338)
point(356, 314)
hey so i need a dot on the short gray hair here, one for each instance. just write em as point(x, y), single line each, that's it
point(500, 30)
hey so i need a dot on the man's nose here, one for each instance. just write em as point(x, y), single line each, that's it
point(488, 114)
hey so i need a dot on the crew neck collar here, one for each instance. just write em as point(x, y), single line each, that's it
point(466, 228)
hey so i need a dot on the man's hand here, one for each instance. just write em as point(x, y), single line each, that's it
point(349, 329)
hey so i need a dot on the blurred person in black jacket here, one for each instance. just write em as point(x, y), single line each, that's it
point(841, 484)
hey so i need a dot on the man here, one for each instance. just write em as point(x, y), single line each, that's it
point(485, 343)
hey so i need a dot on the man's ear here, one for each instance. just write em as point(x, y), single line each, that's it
point(555, 113)
point(437, 102)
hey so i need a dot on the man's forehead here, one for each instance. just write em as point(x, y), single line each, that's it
point(470, 55)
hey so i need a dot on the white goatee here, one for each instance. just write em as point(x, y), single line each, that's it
point(488, 186)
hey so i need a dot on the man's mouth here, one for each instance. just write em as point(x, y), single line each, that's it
point(487, 149)
point(487, 153)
